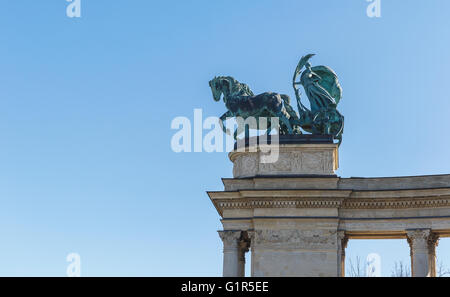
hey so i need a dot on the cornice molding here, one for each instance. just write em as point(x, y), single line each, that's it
point(396, 203)
point(341, 199)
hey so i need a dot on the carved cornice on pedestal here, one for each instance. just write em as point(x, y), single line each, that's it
point(303, 203)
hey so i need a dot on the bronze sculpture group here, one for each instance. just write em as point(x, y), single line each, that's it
point(321, 86)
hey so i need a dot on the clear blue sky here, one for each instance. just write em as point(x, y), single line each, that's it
point(86, 106)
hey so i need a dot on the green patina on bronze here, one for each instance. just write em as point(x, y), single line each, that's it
point(321, 86)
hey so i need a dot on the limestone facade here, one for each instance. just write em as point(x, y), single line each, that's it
point(299, 224)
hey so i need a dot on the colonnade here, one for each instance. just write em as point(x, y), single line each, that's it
point(422, 244)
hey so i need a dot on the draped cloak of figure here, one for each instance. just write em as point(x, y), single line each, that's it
point(318, 96)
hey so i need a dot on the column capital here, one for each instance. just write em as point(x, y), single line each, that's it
point(418, 238)
point(421, 238)
point(230, 238)
point(251, 238)
point(433, 240)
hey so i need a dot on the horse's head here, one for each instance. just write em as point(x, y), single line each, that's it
point(220, 85)
point(229, 87)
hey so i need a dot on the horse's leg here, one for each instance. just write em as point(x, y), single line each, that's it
point(285, 120)
point(239, 130)
point(222, 119)
point(267, 126)
point(247, 131)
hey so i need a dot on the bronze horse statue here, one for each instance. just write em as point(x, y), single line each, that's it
point(241, 102)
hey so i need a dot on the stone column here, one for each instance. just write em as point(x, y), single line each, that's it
point(231, 253)
point(411, 254)
point(433, 241)
point(243, 248)
point(342, 245)
point(423, 252)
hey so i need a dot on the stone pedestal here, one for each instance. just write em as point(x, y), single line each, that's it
point(287, 158)
point(287, 242)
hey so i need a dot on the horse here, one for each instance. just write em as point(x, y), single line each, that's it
point(241, 102)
